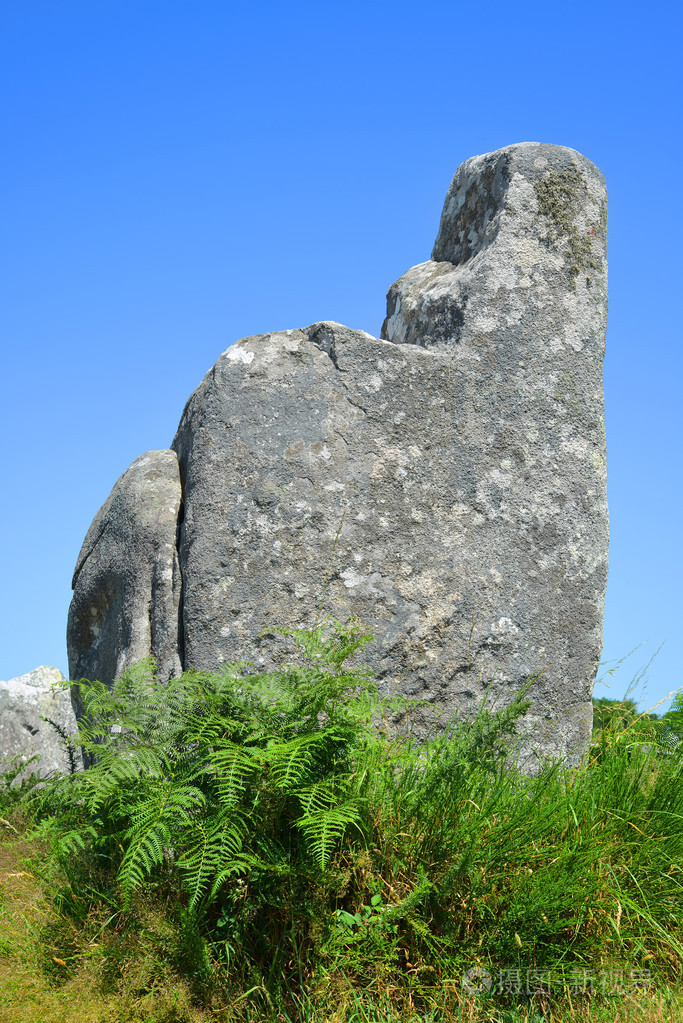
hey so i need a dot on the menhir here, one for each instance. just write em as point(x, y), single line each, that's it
point(444, 482)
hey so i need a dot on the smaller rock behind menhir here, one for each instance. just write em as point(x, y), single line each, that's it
point(24, 704)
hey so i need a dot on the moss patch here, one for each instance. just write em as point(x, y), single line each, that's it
point(560, 196)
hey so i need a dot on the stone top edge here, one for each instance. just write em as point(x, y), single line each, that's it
point(523, 151)
point(522, 146)
point(311, 328)
point(95, 530)
point(27, 675)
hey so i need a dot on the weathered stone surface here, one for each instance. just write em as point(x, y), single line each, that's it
point(516, 297)
point(127, 579)
point(24, 702)
point(446, 482)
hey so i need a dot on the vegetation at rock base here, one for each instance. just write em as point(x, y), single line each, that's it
point(276, 846)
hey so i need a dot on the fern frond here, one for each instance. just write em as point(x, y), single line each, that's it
point(168, 809)
point(329, 641)
point(213, 853)
point(115, 768)
point(175, 802)
point(318, 796)
point(224, 768)
point(239, 864)
point(71, 841)
point(290, 762)
point(202, 729)
point(230, 767)
point(67, 742)
point(144, 853)
point(324, 828)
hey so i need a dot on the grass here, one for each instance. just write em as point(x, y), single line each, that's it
point(375, 879)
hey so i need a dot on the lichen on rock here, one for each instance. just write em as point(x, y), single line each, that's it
point(445, 482)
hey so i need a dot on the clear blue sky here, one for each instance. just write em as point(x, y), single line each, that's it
point(178, 175)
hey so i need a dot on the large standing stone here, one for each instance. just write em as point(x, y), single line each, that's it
point(516, 295)
point(127, 579)
point(25, 704)
point(446, 483)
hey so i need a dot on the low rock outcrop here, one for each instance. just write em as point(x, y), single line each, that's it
point(445, 482)
point(25, 703)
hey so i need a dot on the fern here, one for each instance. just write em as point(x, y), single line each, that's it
point(324, 828)
point(218, 776)
point(227, 769)
point(70, 842)
point(236, 776)
point(670, 734)
point(213, 854)
point(291, 763)
point(68, 744)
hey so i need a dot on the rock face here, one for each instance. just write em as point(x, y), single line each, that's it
point(127, 579)
point(24, 703)
point(445, 482)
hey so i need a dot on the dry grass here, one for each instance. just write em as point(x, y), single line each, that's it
point(55, 970)
point(459, 863)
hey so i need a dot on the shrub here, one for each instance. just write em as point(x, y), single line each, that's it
point(302, 850)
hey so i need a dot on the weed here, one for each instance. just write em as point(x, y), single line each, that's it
point(250, 846)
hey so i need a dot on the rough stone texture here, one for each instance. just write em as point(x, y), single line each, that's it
point(516, 295)
point(446, 482)
point(24, 702)
point(127, 579)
